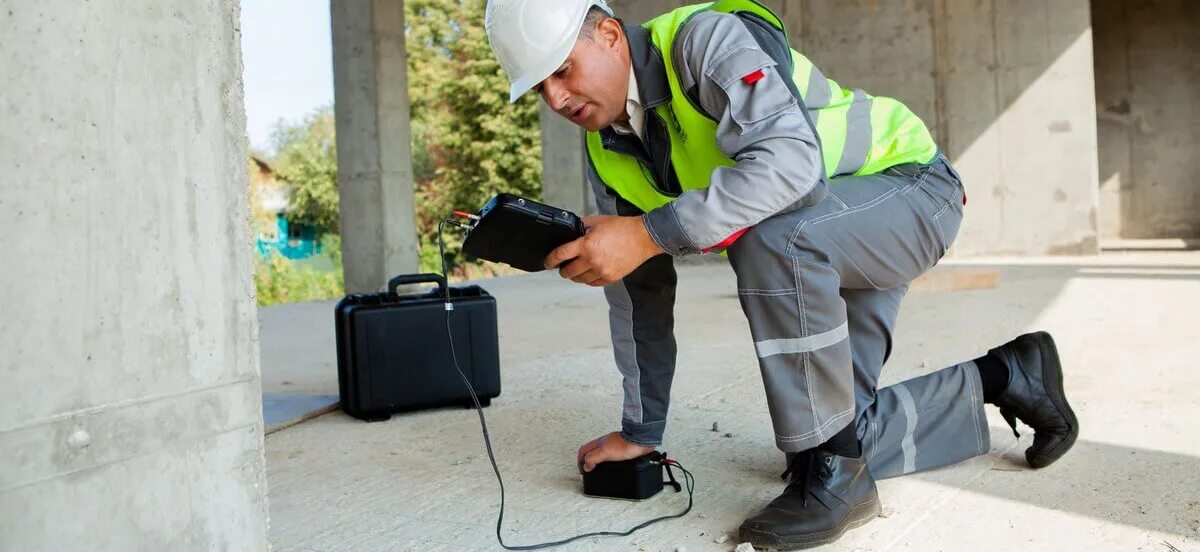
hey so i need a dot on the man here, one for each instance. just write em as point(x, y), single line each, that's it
point(706, 132)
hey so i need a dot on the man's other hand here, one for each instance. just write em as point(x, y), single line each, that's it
point(609, 448)
point(612, 248)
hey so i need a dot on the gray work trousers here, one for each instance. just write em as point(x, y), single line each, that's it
point(821, 287)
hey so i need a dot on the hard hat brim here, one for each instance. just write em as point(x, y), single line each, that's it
point(535, 76)
point(554, 58)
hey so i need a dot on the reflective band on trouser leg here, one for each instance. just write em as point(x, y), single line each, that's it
point(858, 134)
point(788, 288)
point(907, 444)
point(772, 347)
point(939, 414)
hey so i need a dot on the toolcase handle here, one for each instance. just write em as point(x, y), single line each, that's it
point(406, 279)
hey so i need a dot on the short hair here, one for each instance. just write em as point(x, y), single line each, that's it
point(591, 21)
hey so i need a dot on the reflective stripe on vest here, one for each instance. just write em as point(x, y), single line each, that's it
point(859, 134)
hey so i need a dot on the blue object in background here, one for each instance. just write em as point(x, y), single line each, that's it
point(291, 240)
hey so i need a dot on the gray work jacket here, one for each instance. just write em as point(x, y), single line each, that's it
point(764, 128)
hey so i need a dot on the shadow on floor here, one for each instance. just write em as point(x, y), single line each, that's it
point(1148, 489)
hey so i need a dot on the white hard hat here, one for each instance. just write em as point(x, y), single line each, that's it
point(532, 38)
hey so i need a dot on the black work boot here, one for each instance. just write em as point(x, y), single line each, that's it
point(1035, 396)
point(826, 496)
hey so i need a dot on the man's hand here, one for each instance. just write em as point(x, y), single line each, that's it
point(609, 448)
point(612, 248)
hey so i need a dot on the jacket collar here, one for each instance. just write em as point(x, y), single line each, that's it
point(649, 67)
point(652, 85)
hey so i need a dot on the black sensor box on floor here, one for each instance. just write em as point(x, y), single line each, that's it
point(394, 355)
point(634, 479)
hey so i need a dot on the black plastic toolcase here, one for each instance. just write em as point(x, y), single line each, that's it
point(394, 356)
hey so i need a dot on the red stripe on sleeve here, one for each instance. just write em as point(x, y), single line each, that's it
point(754, 77)
point(727, 241)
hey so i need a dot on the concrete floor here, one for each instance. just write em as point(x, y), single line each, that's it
point(1127, 327)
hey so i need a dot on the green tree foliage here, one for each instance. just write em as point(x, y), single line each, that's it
point(468, 143)
point(278, 281)
point(306, 158)
point(475, 142)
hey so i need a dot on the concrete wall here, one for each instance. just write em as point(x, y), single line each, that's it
point(375, 177)
point(1005, 85)
point(130, 404)
point(1148, 87)
point(1016, 111)
point(885, 48)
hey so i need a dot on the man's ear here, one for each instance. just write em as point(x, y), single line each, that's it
point(609, 32)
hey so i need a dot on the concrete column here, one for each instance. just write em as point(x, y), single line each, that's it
point(375, 177)
point(1147, 82)
point(564, 164)
point(1115, 120)
point(130, 409)
point(1018, 112)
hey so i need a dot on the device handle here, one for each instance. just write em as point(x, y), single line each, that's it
point(406, 279)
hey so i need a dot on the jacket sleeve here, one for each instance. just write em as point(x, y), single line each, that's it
point(641, 318)
point(761, 124)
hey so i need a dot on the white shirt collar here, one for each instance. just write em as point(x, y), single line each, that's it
point(633, 107)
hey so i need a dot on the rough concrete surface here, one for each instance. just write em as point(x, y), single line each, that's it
point(1126, 328)
point(1017, 114)
point(130, 414)
point(1147, 82)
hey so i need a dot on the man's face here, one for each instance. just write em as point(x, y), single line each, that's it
point(589, 88)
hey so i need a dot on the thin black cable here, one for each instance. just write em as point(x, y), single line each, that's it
point(689, 480)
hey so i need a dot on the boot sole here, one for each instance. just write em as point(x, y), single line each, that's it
point(859, 516)
point(1052, 378)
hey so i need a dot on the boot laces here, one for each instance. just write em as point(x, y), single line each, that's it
point(1010, 417)
point(807, 464)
